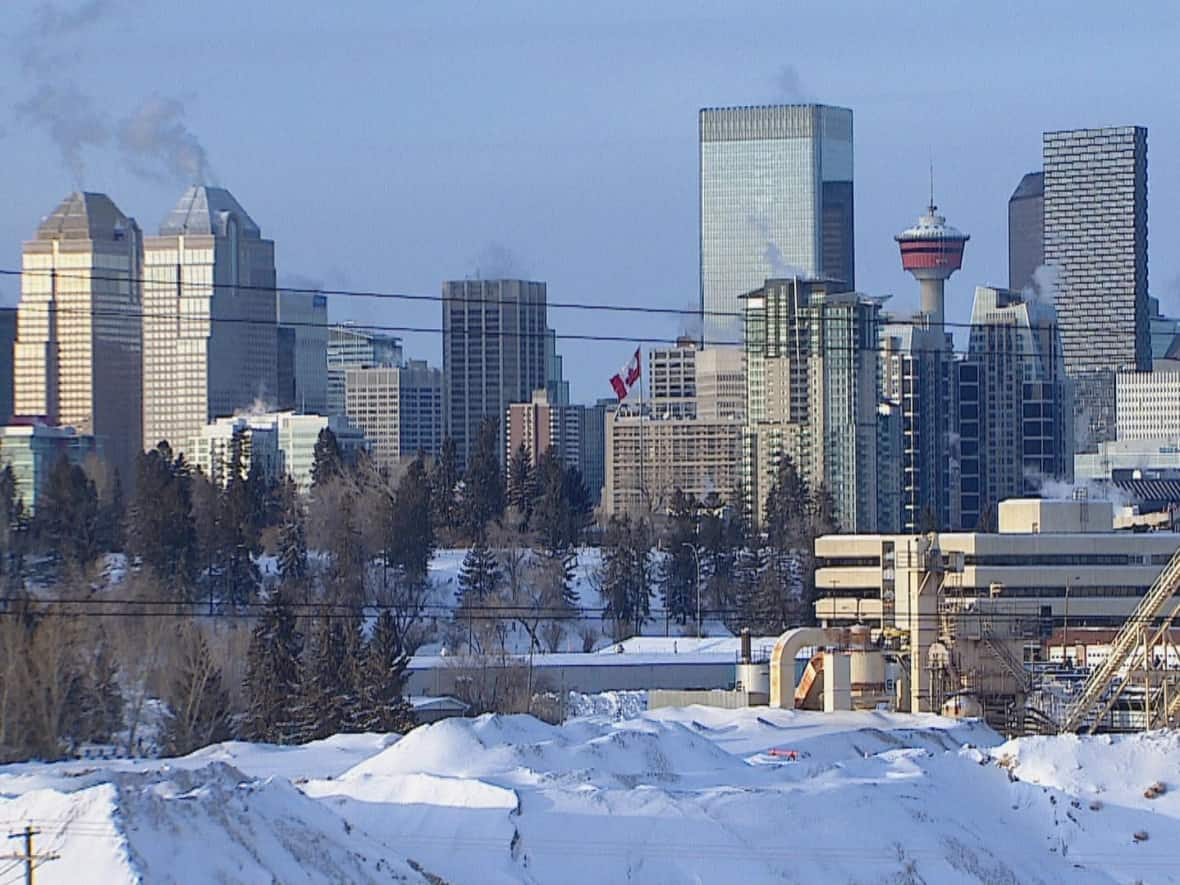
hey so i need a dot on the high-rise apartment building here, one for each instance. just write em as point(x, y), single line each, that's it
point(649, 457)
point(917, 378)
point(31, 448)
point(776, 199)
point(1147, 405)
point(555, 383)
point(354, 347)
point(303, 321)
point(1026, 230)
point(76, 360)
point(541, 426)
point(494, 353)
point(399, 409)
point(688, 382)
point(1011, 404)
point(209, 330)
point(813, 389)
point(7, 340)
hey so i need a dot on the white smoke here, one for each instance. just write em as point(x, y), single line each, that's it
point(68, 117)
point(497, 262)
point(1043, 287)
point(691, 324)
point(159, 146)
point(772, 255)
point(1059, 490)
point(789, 85)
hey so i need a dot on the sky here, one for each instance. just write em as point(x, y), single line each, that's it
point(391, 146)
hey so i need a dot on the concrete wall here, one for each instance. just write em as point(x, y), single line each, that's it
point(440, 678)
point(728, 700)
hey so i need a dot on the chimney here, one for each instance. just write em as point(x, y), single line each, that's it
point(745, 645)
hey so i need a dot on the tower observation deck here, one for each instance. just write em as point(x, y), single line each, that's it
point(932, 250)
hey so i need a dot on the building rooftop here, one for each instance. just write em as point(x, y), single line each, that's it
point(207, 210)
point(1031, 185)
point(85, 216)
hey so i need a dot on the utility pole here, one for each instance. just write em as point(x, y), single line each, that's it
point(31, 859)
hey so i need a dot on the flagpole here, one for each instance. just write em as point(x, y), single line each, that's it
point(642, 448)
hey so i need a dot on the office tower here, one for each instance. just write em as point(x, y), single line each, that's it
point(648, 457)
point(776, 200)
point(541, 426)
point(1026, 234)
point(1147, 405)
point(555, 383)
point(76, 361)
point(399, 409)
point(285, 368)
point(7, 340)
point(1011, 404)
point(594, 444)
point(813, 392)
point(494, 335)
point(1096, 237)
point(31, 447)
point(210, 341)
point(354, 347)
point(303, 325)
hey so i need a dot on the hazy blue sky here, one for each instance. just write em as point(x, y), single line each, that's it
point(390, 146)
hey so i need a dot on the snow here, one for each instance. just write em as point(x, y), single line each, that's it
point(672, 795)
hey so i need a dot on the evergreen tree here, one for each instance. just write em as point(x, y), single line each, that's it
point(100, 701)
point(13, 526)
point(483, 485)
point(479, 576)
point(410, 539)
point(332, 684)
point(444, 480)
point(624, 576)
point(749, 566)
point(386, 709)
point(327, 459)
point(522, 484)
point(67, 515)
point(272, 683)
point(238, 513)
point(292, 559)
point(197, 702)
point(160, 528)
point(678, 570)
point(788, 508)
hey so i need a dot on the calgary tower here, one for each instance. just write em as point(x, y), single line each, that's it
point(932, 250)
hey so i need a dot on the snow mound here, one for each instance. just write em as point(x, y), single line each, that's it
point(206, 824)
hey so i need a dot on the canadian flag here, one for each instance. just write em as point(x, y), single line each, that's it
point(626, 377)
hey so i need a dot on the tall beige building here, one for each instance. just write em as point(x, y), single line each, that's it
point(688, 382)
point(541, 425)
point(76, 360)
point(648, 457)
point(398, 408)
point(209, 326)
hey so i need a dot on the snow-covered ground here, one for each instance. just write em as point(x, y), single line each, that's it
point(691, 795)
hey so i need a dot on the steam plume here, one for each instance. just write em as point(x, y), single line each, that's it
point(159, 146)
point(789, 86)
point(497, 262)
point(69, 119)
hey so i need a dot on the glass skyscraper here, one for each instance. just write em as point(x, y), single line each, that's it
point(776, 201)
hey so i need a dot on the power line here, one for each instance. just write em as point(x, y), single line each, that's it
point(423, 297)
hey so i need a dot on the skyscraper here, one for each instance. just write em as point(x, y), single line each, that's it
point(77, 353)
point(813, 393)
point(305, 316)
point(1026, 230)
point(1096, 237)
point(354, 347)
point(776, 200)
point(1011, 404)
point(209, 317)
point(7, 340)
point(398, 408)
point(494, 334)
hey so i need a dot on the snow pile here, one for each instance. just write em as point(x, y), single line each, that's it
point(610, 704)
point(695, 794)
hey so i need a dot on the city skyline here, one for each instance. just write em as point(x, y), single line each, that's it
point(638, 221)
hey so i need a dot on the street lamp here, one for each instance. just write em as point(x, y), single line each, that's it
point(696, 556)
